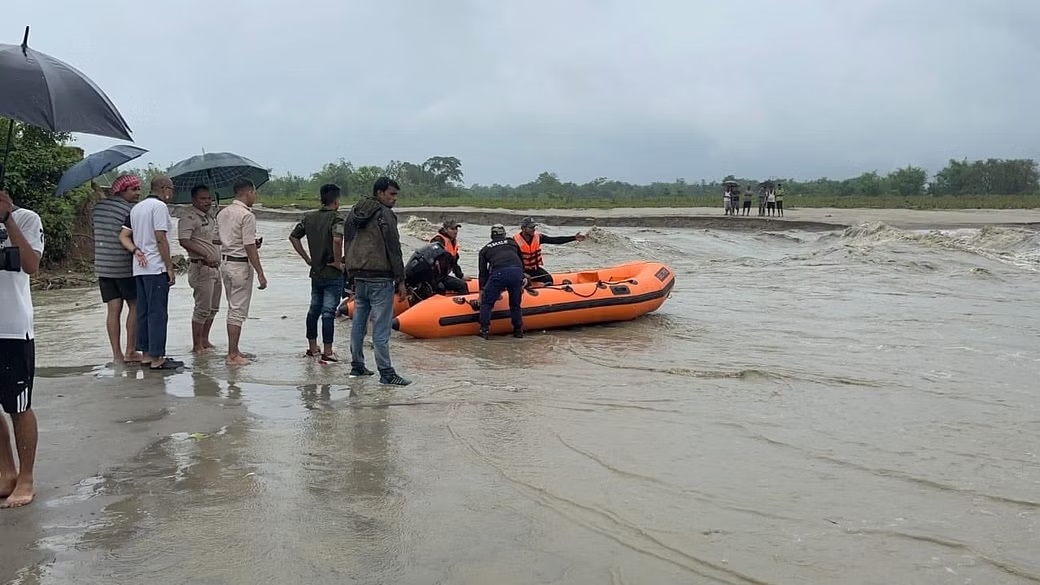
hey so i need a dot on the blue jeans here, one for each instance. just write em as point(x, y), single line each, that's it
point(373, 298)
point(511, 279)
point(153, 299)
point(325, 295)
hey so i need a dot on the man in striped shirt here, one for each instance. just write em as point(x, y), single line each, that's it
point(113, 265)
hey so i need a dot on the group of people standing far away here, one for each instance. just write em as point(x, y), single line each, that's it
point(770, 199)
point(134, 266)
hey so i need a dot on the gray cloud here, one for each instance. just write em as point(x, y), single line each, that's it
point(639, 91)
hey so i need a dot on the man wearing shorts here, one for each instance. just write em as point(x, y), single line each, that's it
point(21, 248)
point(197, 234)
point(114, 265)
point(237, 227)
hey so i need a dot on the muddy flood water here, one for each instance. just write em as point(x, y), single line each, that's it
point(851, 406)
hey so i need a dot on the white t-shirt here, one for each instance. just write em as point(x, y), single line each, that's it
point(16, 316)
point(146, 218)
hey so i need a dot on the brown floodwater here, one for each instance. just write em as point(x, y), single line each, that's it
point(853, 406)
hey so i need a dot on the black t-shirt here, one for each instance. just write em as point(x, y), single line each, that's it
point(319, 227)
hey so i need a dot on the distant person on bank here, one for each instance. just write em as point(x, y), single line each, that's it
point(145, 234)
point(197, 234)
point(375, 265)
point(530, 242)
point(236, 226)
point(21, 249)
point(114, 266)
point(323, 229)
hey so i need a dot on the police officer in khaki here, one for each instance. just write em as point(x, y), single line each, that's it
point(197, 233)
point(236, 225)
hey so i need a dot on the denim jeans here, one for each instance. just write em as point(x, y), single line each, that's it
point(153, 299)
point(373, 298)
point(510, 279)
point(325, 295)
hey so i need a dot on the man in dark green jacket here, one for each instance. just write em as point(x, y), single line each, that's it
point(375, 265)
point(323, 229)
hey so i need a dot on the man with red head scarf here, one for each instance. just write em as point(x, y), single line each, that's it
point(113, 265)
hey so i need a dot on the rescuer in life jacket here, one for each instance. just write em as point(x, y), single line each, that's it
point(448, 238)
point(530, 243)
point(425, 271)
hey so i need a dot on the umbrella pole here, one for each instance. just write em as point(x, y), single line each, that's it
point(7, 151)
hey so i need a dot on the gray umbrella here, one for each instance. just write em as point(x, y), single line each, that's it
point(96, 165)
point(216, 170)
point(46, 92)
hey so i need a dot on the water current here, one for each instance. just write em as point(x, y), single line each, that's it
point(854, 406)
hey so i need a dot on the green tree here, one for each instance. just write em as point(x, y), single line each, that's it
point(37, 160)
point(446, 169)
point(908, 181)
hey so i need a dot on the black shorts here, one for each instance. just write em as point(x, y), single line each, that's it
point(117, 288)
point(17, 371)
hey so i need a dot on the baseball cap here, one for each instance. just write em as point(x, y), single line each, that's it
point(498, 230)
point(527, 222)
point(451, 223)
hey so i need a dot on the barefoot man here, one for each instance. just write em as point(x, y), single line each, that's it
point(197, 233)
point(21, 247)
point(237, 227)
point(114, 265)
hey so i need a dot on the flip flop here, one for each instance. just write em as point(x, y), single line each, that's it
point(168, 365)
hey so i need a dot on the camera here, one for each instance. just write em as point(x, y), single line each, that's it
point(10, 257)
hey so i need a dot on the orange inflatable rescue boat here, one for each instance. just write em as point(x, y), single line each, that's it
point(619, 293)
point(401, 305)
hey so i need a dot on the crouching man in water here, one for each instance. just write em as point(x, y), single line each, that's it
point(425, 272)
point(21, 247)
point(530, 244)
point(501, 267)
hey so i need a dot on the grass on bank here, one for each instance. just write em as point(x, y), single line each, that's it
point(790, 202)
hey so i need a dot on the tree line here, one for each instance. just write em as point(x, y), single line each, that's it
point(40, 157)
point(441, 177)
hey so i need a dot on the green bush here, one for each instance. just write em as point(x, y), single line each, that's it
point(35, 165)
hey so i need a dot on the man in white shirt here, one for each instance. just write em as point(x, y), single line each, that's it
point(21, 248)
point(144, 234)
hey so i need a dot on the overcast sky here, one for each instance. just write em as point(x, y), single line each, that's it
point(634, 90)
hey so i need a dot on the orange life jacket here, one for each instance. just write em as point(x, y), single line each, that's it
point(531, 254)
point(449, 246)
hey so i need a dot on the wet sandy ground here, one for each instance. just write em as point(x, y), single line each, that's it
point(854, 407)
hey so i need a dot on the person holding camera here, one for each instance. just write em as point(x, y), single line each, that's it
point(21, 248)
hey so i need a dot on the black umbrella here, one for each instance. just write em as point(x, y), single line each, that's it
point(46, 92)
point(216, 170)
point(96, 165)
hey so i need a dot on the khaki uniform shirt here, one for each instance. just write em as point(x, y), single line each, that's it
point(201, 229)
point(236, 225)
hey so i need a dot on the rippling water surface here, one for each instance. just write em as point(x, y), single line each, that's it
point(842, 407)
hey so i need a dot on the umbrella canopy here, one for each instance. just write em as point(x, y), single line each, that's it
point(216, 170)
point(96, 165)
point(46, 92)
